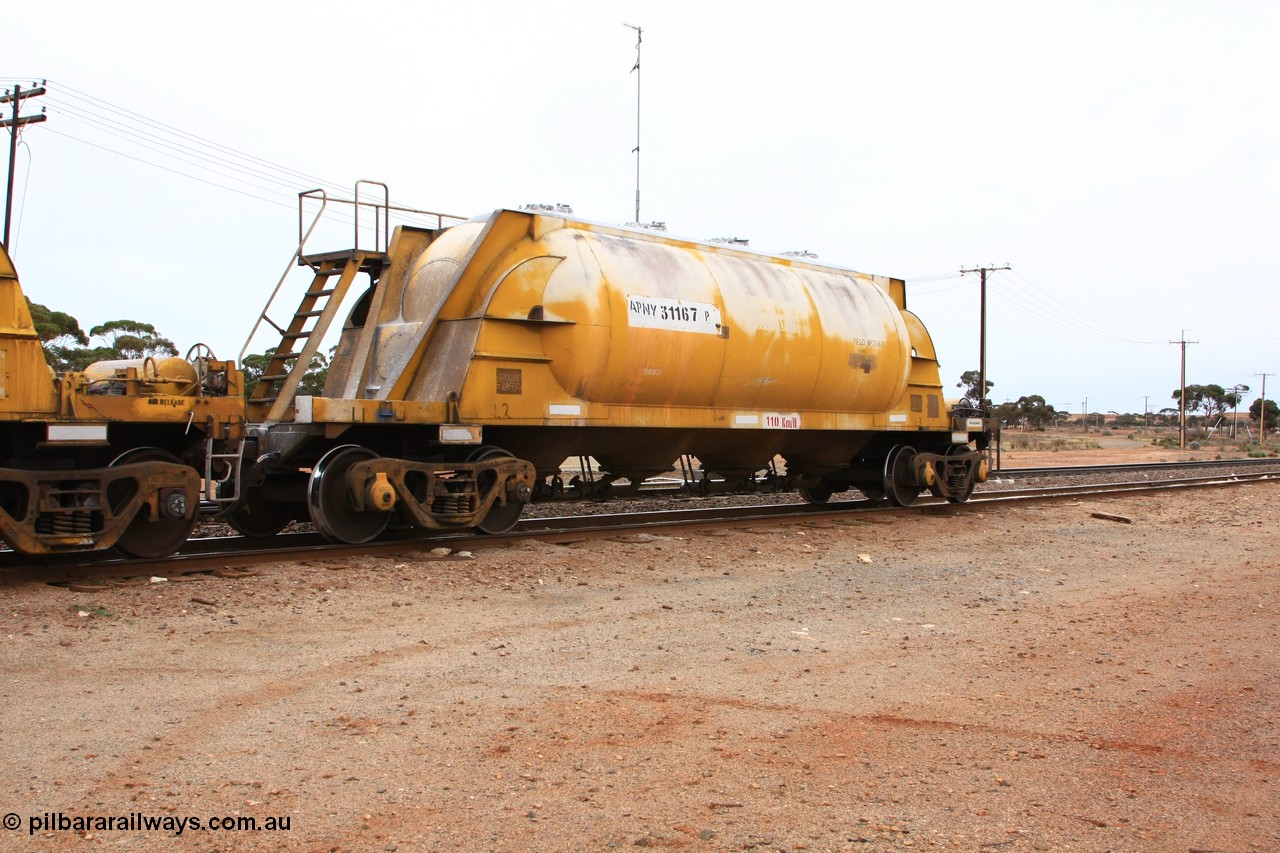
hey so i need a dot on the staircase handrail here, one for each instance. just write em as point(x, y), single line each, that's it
point(381, 224)
point(293, 259)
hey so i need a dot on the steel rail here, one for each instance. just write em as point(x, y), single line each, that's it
point(1269, 462)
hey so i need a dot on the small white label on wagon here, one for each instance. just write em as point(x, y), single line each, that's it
point(676, 315)
point(76, 432)
point(460, 434)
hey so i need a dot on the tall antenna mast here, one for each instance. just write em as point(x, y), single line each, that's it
point(636, 150)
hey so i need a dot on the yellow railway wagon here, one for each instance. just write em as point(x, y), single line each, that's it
point(485, 354)
point(479, 357)
point(116, 456)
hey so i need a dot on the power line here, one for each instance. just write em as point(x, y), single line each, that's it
point(1235, 335)
point(166, 168)
point(163, 146)
point(1207, 364)
point(172, 144)
point(1103, 330)
point(933, 291)
point(1024, 298)
point(231, 169)
point(940, 276)
point(117, 110)
point(26, 184)
point(1047, 313)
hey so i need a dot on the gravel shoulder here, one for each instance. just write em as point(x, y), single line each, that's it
point(1016, 678)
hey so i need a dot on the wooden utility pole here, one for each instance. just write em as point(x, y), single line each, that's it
point(1235, 406)
point(1262, 409)
point(1182, 394)
point(982, 326)
point(16, 97)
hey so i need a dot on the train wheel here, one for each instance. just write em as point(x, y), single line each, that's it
point(899, 484)
point(146, 538)
point(819, 494)
point(252, 516)
point(501, 517)
point(329, 499)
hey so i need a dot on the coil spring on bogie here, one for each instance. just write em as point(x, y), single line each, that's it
point(64, 523)
point(76, 522)
point(456, 504)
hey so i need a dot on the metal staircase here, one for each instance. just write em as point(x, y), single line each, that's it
point(283, 373)
point(334, 272)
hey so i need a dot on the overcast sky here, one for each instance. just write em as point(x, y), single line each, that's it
point(1122, 158)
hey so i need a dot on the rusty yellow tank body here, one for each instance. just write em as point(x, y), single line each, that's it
point(669, 324)
point(530, 318)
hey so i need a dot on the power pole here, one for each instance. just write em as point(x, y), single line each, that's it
point(636, 150)
point(1235, 407)
point(1262, 409)
point(1182, 394)
point(982, 326)
point(16, 97)
point(1146, 409)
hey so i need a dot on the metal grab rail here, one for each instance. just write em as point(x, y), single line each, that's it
point(381, 223)
point(295, 258)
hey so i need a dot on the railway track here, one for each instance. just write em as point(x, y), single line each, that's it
point(236, 555)
point(1267, 463)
